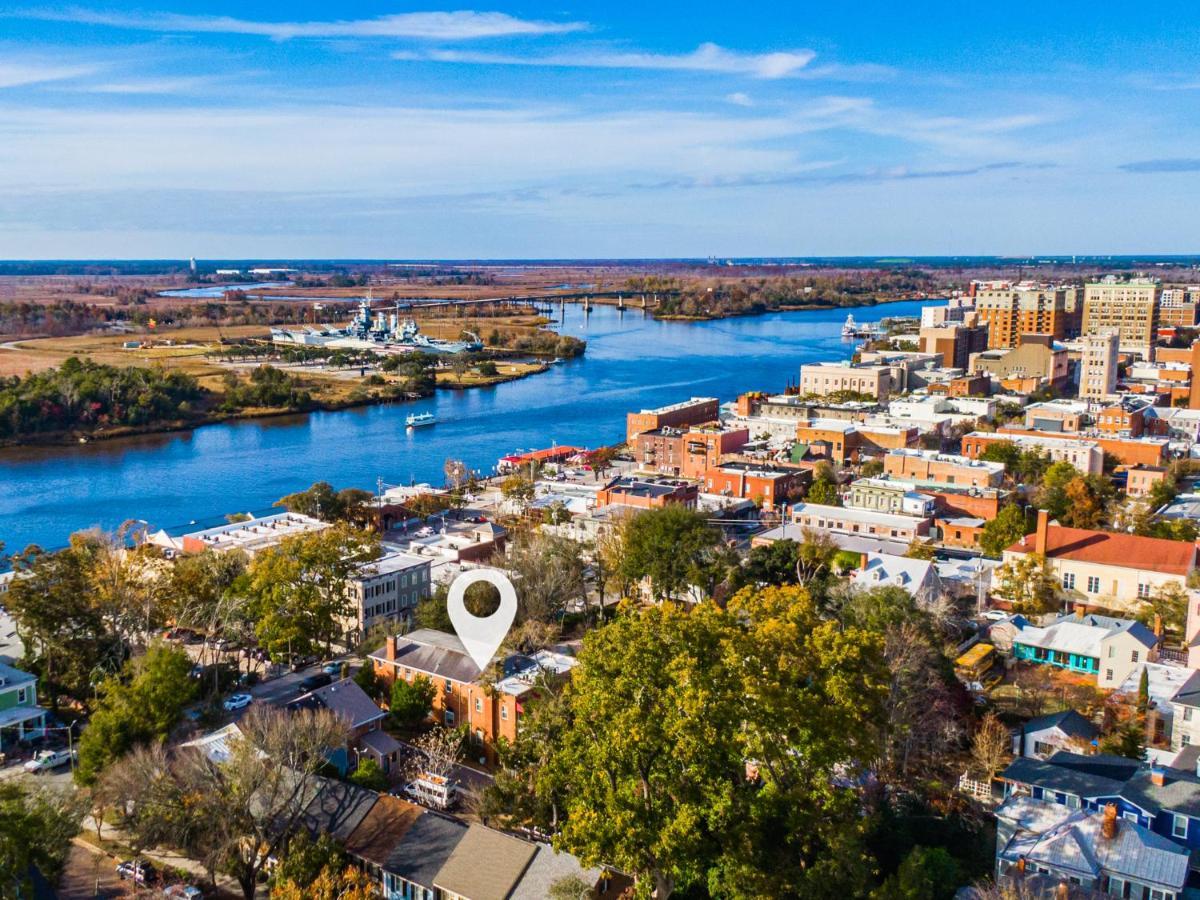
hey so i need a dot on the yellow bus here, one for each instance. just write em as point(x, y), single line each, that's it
point(978, 665)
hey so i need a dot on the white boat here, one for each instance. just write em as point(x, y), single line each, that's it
point(853, 330)
point(416, 420)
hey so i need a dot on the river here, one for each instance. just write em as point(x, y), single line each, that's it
point(632, 362)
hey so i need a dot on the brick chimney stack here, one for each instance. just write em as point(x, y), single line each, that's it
point(1158, 777)
point(1043, 526)
point(389, 648)
point(1108, 827)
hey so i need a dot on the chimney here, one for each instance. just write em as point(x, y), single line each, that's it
point(1158, 626)
point(1158, 777)
point(1043, 525)
point(862, 560)
point(1108, 827)
point(1080, 611)
point(389, 651)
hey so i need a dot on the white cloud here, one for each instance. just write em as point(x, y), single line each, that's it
point(147, 86)
point(445, 26)
point(707, 57)
point(17, 73)
point(737, 98)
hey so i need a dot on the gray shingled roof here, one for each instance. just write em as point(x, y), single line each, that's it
point(338, 809)
point(1047, 774)
point(424, 849)
point(434, 653)
point(1189, 692)
point(486, 864)
point(549, 866)
point(1179, 792)
point(346, 699)
point(1068, 721)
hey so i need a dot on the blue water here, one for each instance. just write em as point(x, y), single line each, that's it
point(631, 362)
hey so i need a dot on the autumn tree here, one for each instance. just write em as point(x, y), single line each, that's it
point(67, 642)
point(548, 572)
point(233, 814)
point(990, 745)
point(1027, 583)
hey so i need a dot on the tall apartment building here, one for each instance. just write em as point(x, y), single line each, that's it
point(1130, 306)
point(1178, 306)
point(954, 342)
point(1011, 310)
point(1098, 365)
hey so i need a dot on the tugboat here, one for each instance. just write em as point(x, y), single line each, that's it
point(416, 420)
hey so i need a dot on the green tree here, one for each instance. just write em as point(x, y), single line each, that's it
point(920, 549)
point(670, 546)
point(412, 701)
point(369, 775)
point(141, 705)
point(1052, 495)
point(36, 828)
point(824, 489)
point(321, 501)
point(1006, 452)
point(1167, 602)
point(770, 564)
point(432, 613)
point(366, 679)
point(1128, 740)
point(518, 489)
point(1010, 525)
point(927, 873)
point(299, 589)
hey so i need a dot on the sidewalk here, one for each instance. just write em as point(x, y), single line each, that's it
point(159, 857)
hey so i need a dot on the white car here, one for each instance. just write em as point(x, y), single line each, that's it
point(47, 760)
point(996, 615)
point(237, 701)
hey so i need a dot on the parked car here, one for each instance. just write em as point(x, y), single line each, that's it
point(332, 668)
point(996, 615)
point(312, 682)
point(224, 645)
point(183, 892)
point(48, 760)
point(237, 701)
point(302, 662)
point(136, 870)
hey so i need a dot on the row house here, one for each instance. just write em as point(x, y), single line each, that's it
point(688, 453)
point(694, 411)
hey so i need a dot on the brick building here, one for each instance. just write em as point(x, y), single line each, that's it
point(767, 485)
point(646, 493)
point(689, 453)
point(695, 411)
point(944, 468)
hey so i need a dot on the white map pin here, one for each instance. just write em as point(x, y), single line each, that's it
point(482, 636)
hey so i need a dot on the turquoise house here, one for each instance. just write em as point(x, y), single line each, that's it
point(20, 716)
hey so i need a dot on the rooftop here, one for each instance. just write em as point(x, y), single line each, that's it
point(682, 404)
point(486, 865)
point(1127, 551)
point(851, 514)
point(345, 699)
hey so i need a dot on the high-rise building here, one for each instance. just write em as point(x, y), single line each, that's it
point(1011, 310)
point(1129, 306)
point(1098, 365)
point(1178, 306)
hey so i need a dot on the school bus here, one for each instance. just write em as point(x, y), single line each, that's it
point(978, 666)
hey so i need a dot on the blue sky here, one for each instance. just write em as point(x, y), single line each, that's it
point(598, 129)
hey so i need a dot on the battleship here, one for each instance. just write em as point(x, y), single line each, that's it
point(374, 329)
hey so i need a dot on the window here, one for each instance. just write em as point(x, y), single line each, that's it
point(1069, 581)
point(449, 718)
point(21, 696)
point(1133, 657)
point(1143, 591)
point(503, 712)
point(1179, 827)
point(478, 705)
point(1187, 714)
point(1130, 817)
point(1093, 584)
point(1108, 676)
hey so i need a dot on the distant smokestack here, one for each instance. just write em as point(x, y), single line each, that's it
point(1109, 826)
point(1043, 526)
